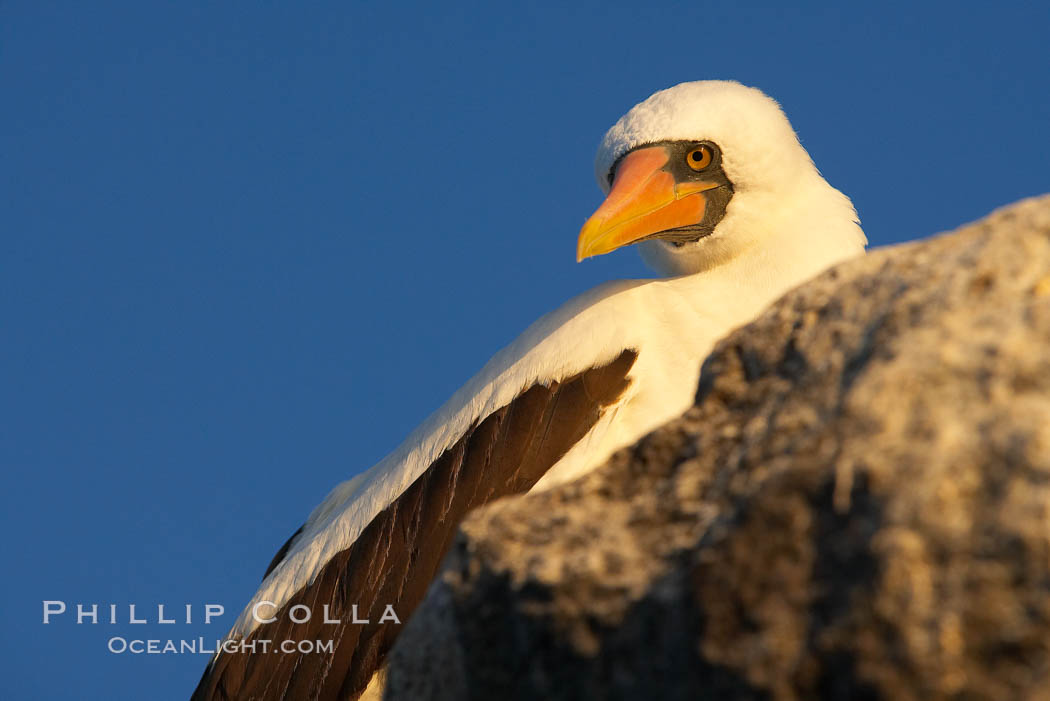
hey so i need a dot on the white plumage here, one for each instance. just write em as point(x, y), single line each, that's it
point(782, 225)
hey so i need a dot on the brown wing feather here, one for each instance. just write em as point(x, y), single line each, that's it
point(398, 554)
point(282, 552)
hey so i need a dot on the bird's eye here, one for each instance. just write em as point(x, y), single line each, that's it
point(700, 157)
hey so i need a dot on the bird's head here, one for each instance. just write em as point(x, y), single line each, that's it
point(702, 172)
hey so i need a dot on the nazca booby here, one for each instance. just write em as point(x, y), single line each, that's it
point(711, 182)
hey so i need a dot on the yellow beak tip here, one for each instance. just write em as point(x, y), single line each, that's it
point(591, 241)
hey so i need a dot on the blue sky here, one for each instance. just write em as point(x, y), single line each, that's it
point(246, 247)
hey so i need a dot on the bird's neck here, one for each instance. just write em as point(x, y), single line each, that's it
point(767, 246)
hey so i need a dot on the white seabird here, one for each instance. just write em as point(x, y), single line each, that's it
point(711, 182)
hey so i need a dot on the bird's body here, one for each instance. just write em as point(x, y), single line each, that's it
point(583, 381)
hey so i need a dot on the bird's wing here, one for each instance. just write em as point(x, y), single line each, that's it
point(279, 557)
point(397, 554)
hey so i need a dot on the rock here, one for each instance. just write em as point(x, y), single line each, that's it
point(857, 507)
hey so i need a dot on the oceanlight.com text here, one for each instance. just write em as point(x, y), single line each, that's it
point(137, 646)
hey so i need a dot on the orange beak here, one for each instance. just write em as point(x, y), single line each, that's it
point(645, 200)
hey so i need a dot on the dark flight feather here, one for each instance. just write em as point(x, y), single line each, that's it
point(400, 551)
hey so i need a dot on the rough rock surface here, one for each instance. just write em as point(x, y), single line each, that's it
point(858, 507)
